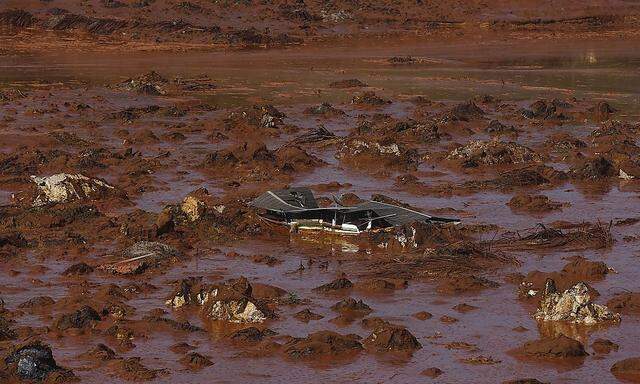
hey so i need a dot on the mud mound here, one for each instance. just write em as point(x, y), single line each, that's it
point(465, 112)
point(251, 335)
point(478, 153)
point(533, 204)
point(82, 318)
point(369, 99)
point(604, 346)
point(377, 156)
point(132, 369)
point(392, 338)
point(322, 344)
point(627, 370)
point(336, 285)
point(306, 316)
point(466, 284)
point(560, 347)
point(547, 110)
point(324, 110)
point(195, 361)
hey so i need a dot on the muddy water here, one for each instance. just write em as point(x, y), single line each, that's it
point(444, 71)
point(293, 78)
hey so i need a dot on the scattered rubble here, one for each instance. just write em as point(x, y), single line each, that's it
point(64, 187)
point(477, 153)
point(34, 361)
point(143, 256)
point(232, 302)
point(573, 305)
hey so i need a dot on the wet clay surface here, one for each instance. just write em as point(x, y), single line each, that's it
point(152, 266)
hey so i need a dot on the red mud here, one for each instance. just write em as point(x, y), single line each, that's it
point(520, 119)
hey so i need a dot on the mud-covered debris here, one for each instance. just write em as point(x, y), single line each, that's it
point(560, 347)
point(322, 344)
point(325, 110)
point(576, 237)
point(6, 332)
point(306, 316)
point(364, 154)
point(495, 127)
point(352, 306)
point(78, 269)
point(602, 110)
point(82, 318)
point(563, 143)
point(316, 135)
point(594, 169)
point(627, 369)
point(546, 110)
point(193, 207)
point(480, 360)
point(465, 112)
point(604, 346)
point(573, 305)
point(234, 311)
point(64, 187)
point(17, 18)
point(269, 115)
point(195, 361)
point(625, 176)
point(37, 302)
point(493, 152)
point(143, 256)
point(150, 83)
point(34, 361)
point(348, 83)
point(251, 335)
point(336, 285)
point(369, 98)
point(100, 352)
point(232, 301)
point(392, 338)
point(533, 203)
point(524, 381)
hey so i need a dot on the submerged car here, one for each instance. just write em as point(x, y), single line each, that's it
point(298, 209)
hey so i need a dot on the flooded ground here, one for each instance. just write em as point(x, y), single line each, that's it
point(201, 123)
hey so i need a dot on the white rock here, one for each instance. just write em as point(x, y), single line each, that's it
point(236, 312)
point(625, 176)
point(574, 306)
point(64, 187)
